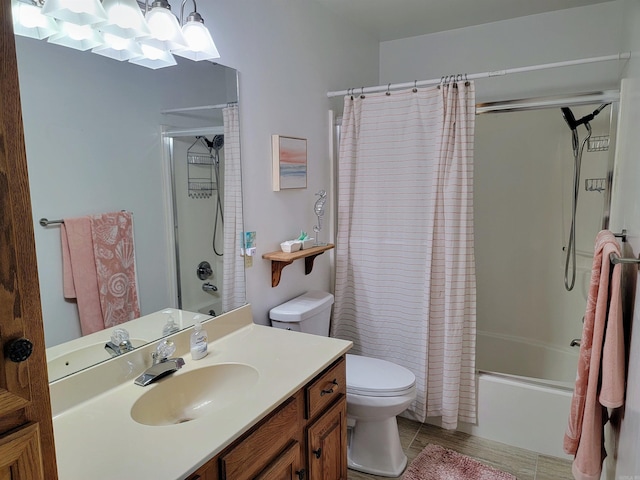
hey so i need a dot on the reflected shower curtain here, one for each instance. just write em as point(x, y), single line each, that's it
point(233, 290)
point(405, 271)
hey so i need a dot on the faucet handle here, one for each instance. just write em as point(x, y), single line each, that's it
point(119, 335)
point(164, 350)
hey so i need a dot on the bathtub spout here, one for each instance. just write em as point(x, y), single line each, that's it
point(575, 342)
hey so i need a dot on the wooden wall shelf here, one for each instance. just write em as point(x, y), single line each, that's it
point(279, 260)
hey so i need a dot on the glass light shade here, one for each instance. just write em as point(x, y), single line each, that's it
point(154, 58)
point(200, 43)
point(80, 12)
point(125, 19)
point(165, 30)
point(118, 48)
point(29, 21)
point(80, 37)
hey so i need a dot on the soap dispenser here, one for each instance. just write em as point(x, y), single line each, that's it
point(199, 341)
point(171, 326)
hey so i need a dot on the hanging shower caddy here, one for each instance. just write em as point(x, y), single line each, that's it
point(200, 178)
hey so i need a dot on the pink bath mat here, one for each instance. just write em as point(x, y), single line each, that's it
point(437, 463)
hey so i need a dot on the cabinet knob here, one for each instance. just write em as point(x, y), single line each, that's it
point(327, 391)
point(317, 452)
point(19, 350)
point(300, 474)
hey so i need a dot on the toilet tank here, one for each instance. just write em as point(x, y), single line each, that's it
point(308, 313)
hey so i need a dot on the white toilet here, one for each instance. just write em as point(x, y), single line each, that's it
point(377, 390)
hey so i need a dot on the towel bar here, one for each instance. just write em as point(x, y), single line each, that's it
point(615, 259)
point(45, 222)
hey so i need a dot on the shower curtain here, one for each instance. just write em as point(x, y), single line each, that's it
point(233, 290)
point(405, 271)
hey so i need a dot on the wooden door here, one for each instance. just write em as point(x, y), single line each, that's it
point(26, 426)
point(327, 444)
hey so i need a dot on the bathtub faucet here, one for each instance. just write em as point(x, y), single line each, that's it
point(575, 342)
point(209, 287)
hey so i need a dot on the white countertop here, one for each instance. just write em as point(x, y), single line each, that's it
point(97, 438)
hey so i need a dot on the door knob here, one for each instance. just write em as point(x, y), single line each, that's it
point(19, 350)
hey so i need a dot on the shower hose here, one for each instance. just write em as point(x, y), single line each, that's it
point(570, 261)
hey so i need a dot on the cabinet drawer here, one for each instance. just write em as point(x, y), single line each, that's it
point(260, 447)
point(326, 388)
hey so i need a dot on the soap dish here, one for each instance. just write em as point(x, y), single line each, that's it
point(291, 246)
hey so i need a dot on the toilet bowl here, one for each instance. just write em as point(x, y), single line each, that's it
point(377, 390)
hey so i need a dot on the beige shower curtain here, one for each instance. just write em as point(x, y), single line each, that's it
point(233, 290)
point(405, 271)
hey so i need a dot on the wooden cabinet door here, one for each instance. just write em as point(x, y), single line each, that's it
point(288, 466)
point(327, 444)
point(24, 390)
point(20, 457)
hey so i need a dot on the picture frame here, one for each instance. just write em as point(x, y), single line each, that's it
point(289, 162)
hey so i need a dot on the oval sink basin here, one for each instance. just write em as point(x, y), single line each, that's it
point(185, 397)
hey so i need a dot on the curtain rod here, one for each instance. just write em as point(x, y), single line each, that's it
point(474, 76)
point(195, 109)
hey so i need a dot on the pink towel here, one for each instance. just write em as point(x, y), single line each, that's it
point(80, 280)
point(114, 255)
point(601, 366)
point(99, 269)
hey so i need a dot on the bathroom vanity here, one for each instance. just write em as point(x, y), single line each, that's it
point(304, 437)
point(264, 403)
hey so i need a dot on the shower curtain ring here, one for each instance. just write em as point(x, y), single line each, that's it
point(466, 80)
point(361, 92)
point(415, 86)
point(388, 87)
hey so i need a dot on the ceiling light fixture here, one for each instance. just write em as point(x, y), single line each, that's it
point(29, 21)
point(200, 44)
point(80, 12)
point(124, 19)
point(119, 29)
point(165, 30)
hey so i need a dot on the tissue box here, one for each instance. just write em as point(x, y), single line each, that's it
point(307, 243)
point(290, 246)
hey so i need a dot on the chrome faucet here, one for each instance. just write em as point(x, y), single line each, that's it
point(115, 350)
point(119, 343)
point(209, 287)
point(162, 364)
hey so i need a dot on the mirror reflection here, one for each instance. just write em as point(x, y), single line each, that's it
point(104, 136)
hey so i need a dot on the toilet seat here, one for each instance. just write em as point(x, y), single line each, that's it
point(373, 377)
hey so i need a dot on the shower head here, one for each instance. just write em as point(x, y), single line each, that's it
point(567, 114)
point(216, 144)
point(571, 120)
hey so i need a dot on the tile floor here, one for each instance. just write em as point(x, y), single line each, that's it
point(524, 464)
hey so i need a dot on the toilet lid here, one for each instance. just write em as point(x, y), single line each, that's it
point(377, 378)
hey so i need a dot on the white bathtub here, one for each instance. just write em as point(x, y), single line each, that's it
point(516, 404)
point(526, 358)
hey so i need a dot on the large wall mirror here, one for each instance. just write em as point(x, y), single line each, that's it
point(103, 136)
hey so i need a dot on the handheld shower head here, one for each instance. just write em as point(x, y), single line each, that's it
point(567, 114)
point(571, 120)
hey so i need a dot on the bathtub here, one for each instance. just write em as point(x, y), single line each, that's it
point(522, 401)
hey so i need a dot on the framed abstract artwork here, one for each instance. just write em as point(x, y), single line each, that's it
point(289, 162)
